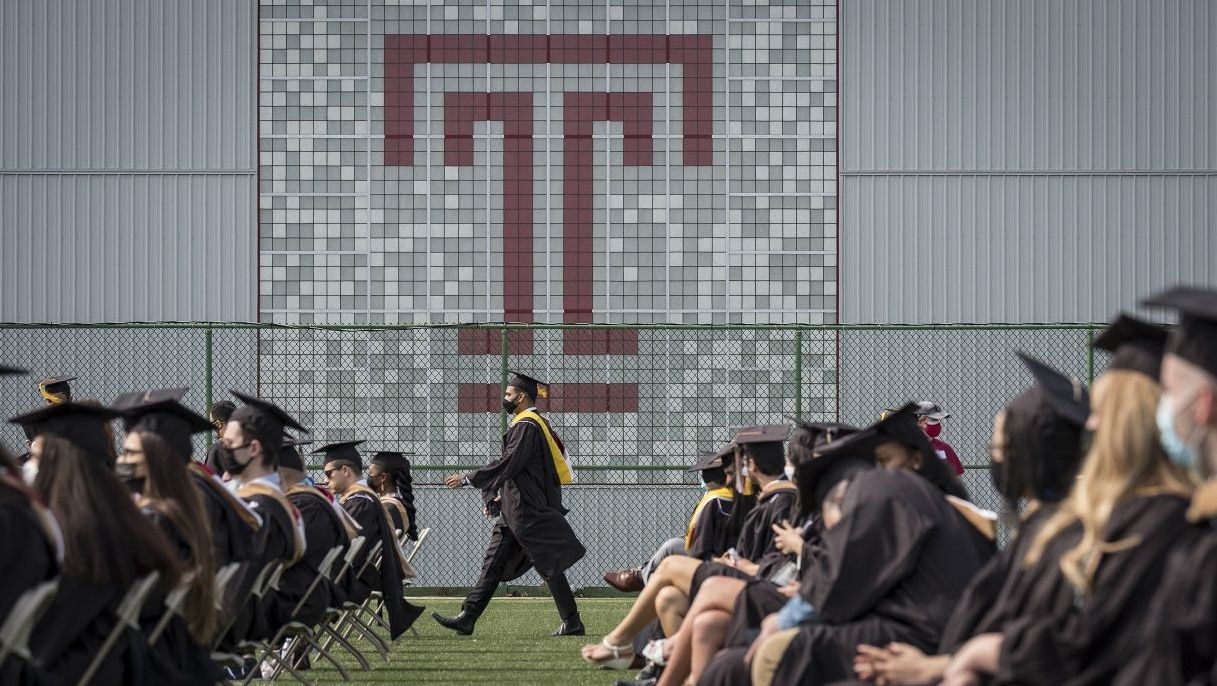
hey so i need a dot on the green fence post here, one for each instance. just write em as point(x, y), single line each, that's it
point(503, 375)
point(798, 373)
point(207, 375)
point(1089, 357)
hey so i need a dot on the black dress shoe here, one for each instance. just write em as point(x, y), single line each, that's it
point(572, 628)
point(636, 682)
point(461, 624)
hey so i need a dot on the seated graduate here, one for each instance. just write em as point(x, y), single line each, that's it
point(389, 476)
point(1034, 456)
point(707, 534)
point(728, 611)
point(896, 554)
point(342, 469)
point(253, 440)
point(218, 414)
point(1178, 643)
point(152, 465)
point(31, 546)
point(1083, 581)
point(759, 454)
point(108, 546)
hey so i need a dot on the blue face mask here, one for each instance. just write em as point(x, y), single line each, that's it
point(1181, 452)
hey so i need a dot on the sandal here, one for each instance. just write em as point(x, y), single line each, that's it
point(621, 656)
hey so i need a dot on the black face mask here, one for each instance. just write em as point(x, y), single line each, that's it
point(126, 473)
point(1001, 481)
point(509, 405)
point(228, 460)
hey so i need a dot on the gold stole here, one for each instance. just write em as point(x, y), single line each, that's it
point(348, 524)
point(983, 521)
point(560, 464)
point(390, 501)
point(723, 493)
point(775, 486)
point(251, 489)
point(249, 517)
point(407, 571)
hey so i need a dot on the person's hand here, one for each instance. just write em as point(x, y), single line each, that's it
point(787, 538)
point(866, 660)
point(791, 589)
point(977, 658)
point(769, 627)
point(899, 664)
point(455, 481)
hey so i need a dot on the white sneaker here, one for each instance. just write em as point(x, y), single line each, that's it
point(654, 652)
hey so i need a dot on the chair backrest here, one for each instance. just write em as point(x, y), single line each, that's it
point(224, 577)
point(353, 549)
point(372, 558)
point(23, 617)
point(422, 536)
point(173, 606)
point(273, 582)
point(129, 609)
point(326, 563)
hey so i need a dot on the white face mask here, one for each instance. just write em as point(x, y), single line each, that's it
point(790, 471)
point(29, 471)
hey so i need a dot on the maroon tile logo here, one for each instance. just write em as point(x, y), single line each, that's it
point(581, 110)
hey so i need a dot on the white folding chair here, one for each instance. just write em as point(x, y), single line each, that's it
point(128, 618)
point(23, 617)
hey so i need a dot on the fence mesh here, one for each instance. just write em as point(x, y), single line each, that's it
point(633, 405)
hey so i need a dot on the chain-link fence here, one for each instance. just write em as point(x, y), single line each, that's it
point(633, 404)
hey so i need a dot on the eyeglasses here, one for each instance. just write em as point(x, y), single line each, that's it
point(330, 471)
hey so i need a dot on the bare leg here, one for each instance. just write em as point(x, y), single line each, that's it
point(709, 633)
point(676, 571)
point(717, 594)
point(671, 606)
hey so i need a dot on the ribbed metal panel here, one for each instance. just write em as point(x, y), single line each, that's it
point(935, 249)
point(127, 84)
point(129, 247)
point(128, 160)
point(1029, 85)
point(1024, 161)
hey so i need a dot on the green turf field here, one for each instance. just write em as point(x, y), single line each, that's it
point(511, 645)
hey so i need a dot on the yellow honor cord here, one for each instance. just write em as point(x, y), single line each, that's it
point(564, 474)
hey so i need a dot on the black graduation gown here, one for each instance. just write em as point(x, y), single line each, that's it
point(711, 537)
point(274, 541)
point(1178, 644)
point(891, 570)
point(531, 501)
point(365, 508)
point(756, 536)
point(176, 658)
point(73, 630)
point(322, 532)
point(232, 535)
point(27, 557)
point(1061, 637)
point(990, 599)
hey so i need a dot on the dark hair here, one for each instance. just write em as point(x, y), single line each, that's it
point(1042, 452)
point(935, 470)
point(770, 458)
point(106, 539)
point(270, 448)
point(801, 452)
point(221, 411)
point(714, 475)
point(172, 493)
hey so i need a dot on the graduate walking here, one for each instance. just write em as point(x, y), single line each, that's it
point(523, 488)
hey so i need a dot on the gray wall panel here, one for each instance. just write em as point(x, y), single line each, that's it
point(127, 247)
point(1031, 161)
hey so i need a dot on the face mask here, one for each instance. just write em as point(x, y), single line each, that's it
point(790, 472)
point(932, 430)
point(127, 473)
point(509, 405)
point(997, 473)
point(228, 460)
point(29, 471)
point(1181, 452)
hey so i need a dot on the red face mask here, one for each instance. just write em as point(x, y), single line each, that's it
point(932, 430)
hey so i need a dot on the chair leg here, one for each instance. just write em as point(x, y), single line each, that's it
point(350, 648)
point(285, 664)
point(264, 649)
point(371, 637)
point(308, 638)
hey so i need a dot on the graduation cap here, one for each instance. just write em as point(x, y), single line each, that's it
point(82, 424)
point(1196, 338)
point(707, 459)
point(289, 454)
point(837, 461)
point(821, 433)
point(342, 451)
point(266, 418)
point(1069, 397)
point(55, 389)
point(531, 386)
point(901, 426)
point(160, 412)
point(765, 433)
point(1137, 344)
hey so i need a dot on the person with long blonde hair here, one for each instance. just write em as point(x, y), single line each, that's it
point(1095, 560)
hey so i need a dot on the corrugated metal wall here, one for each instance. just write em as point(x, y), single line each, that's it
point(128, 160)
point(1028, 161)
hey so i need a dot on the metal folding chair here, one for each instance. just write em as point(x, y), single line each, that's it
point(173, 607)
point(23, 617)
point(128, 618)
point(334, 615)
